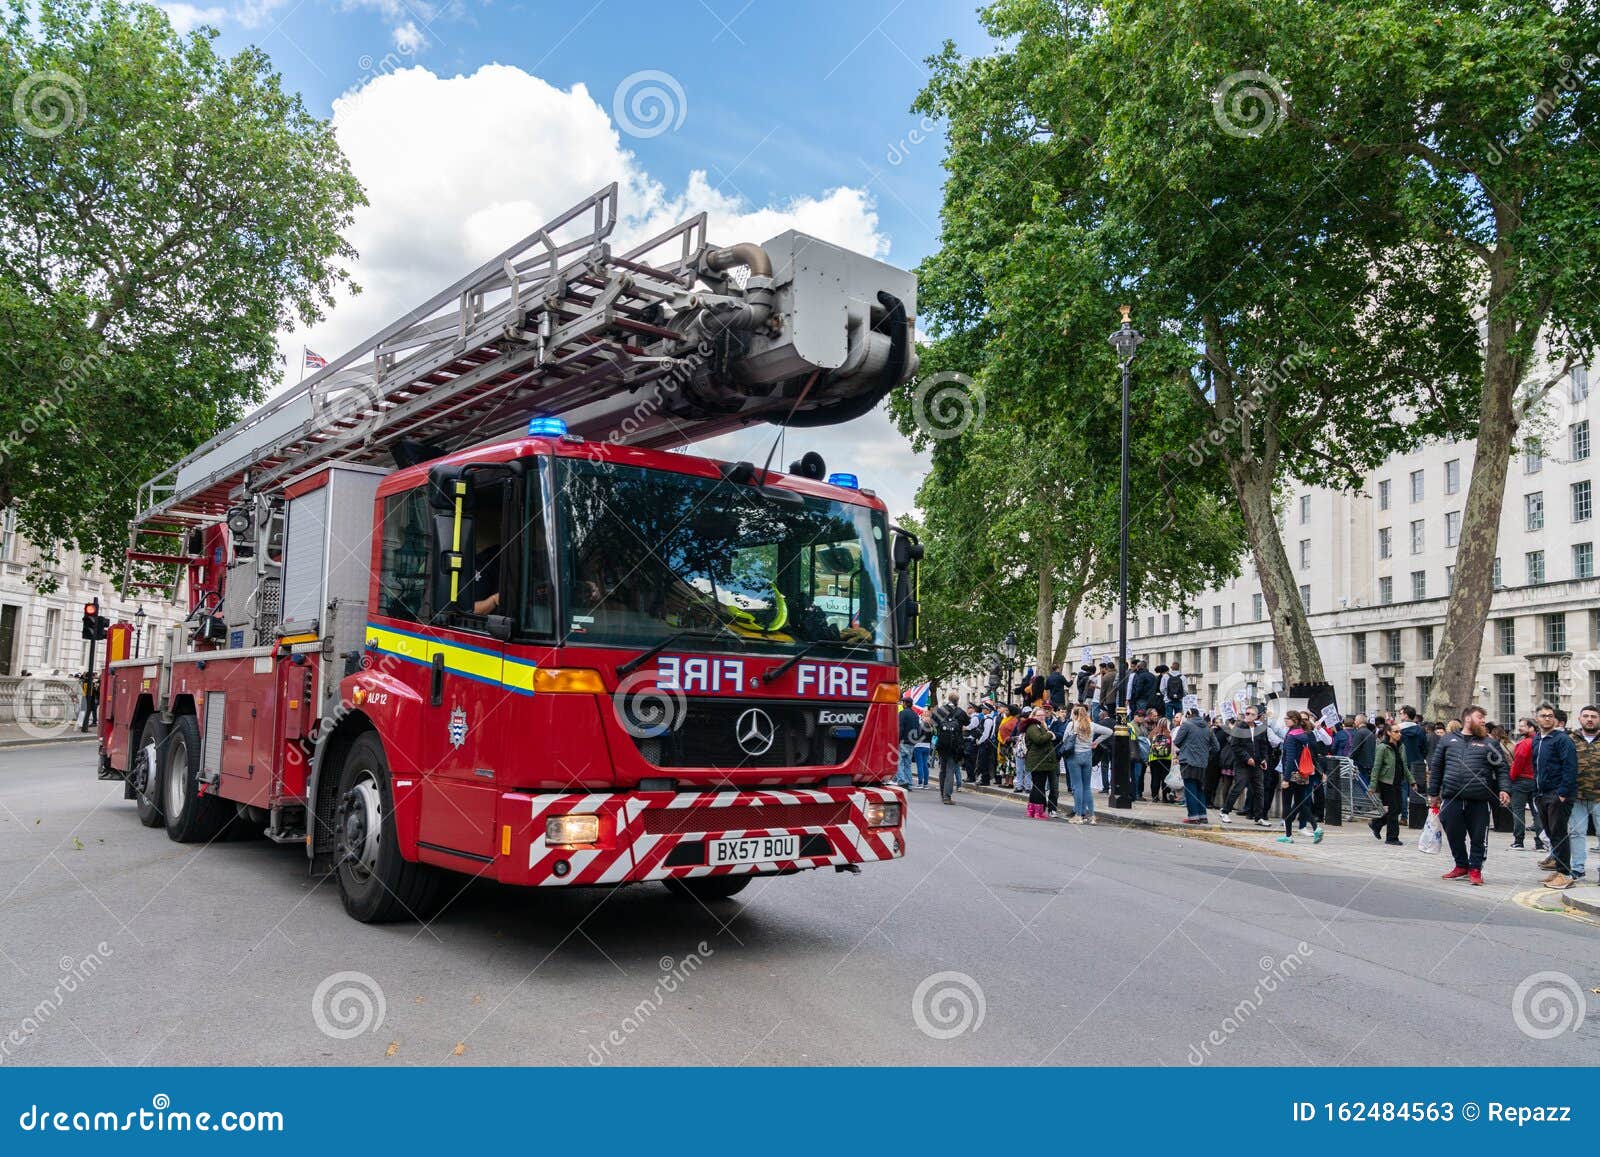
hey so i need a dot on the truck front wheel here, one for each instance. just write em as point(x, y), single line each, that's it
point(145, 773)
point(376, 883)
point(706, 889)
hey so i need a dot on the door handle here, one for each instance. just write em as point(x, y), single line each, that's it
point(437, 688)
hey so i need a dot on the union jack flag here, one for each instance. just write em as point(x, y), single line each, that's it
point(314, 360)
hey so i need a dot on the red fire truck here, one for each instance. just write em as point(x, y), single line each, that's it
point(456, 605)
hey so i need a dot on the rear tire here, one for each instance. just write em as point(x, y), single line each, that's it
point(376, 883)
point(706, 889)
point(191, 818)
point(144, 777)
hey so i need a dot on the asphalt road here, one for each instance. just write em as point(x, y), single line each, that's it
point(999, 940)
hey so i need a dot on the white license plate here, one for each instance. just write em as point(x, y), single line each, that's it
point(753, 850)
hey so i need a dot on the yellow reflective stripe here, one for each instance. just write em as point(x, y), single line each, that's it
point(455, 545)
point(513, 674)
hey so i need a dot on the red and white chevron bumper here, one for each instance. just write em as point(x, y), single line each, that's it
point(659, 835)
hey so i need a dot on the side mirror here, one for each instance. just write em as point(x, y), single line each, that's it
point(453, 567)
point(906, 609)
point(498, 626)
point(448, 483)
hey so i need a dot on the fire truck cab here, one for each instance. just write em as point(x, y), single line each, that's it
point(559, 655)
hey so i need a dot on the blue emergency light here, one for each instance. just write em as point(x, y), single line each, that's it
point(848, 481)
point(546, 427)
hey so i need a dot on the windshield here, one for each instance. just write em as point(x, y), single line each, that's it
point(648, 553)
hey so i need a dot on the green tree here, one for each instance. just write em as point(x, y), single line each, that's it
point(164, 211)
point(1489, 113)
point(1289, 316)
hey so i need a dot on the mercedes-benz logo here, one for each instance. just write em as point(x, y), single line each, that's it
point(755, 731)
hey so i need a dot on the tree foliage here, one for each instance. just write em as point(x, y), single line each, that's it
point(164, 211)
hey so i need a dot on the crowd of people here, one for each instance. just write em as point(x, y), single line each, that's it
point(1242, 765)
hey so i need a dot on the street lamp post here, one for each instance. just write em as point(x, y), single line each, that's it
point(1125, 340)
point(1008, 648)
point(138, 628)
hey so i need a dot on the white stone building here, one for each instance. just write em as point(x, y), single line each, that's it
point(1376, 569)
point(41, 635)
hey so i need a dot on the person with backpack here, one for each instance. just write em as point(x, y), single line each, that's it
point(949, 722)
point(1160, 763)
point(1173, 689)
point(1466, 771)
point(1298, 777)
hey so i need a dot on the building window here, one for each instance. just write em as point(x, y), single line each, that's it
point(1505, 700)
point(1532, 456)
point(1135, 626)
point(1424, 689)
point(1358, 647)
point(1418, 535)
point(8, 534)
point(1386, 701)
point(1452, 476)
point(1305, 554)
point(52, 636)
point(1533, 510)
point(1385, 542)
point(1416, 486)
point(1358, 696)
point(1496, 578)
point(1449, 580)
point(1582, 501)
point(1256, 661)
point(1506, 633)
point(1152, 625)
point(1535, 566)
point(1550, 688)
point(1583, 560)
point(1419, 584)
point(1305, 599)
point(1578, 437)
point(1166, 624)
point(1305, 509)
point(1580, 383)
point(1215, 655)
point(1257, 608)
point(1452, 528)
point(1385, 590)
point(1392, 645)
point(1383, 494)
point(1425, 642)
point(1216, 615)
point(1555, 632)
point(1594, 686)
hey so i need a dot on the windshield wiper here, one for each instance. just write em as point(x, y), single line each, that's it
point(645, 656)
point(783, 668)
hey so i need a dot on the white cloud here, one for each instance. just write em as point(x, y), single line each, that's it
point(456, 168)
point(185, 17)
point(410, 39)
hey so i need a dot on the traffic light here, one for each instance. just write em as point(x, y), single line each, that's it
point(94, 623)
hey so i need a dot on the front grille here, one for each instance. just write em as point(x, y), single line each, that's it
point(708, 730)
point(661, 821)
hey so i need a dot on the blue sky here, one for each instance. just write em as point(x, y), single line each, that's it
point(779, 114)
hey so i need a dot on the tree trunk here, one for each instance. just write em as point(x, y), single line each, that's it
point(1455, 664)
point(1291, 631)
point(1069, 625)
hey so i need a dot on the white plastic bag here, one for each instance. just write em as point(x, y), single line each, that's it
point(1432, 837)
point(1174, 780)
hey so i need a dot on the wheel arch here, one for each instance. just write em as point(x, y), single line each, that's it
point(322, 788)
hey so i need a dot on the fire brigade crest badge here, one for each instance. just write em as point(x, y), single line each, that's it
point(458, 727)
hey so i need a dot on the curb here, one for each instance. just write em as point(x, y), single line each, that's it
point(1587, 907)
point(48, 739)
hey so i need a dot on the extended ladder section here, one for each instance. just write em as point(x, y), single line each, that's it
point(669, 342)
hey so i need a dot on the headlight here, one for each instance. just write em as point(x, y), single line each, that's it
point(883, 815)
point(572, 830)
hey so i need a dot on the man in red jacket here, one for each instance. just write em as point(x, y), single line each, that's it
point(1522, 788)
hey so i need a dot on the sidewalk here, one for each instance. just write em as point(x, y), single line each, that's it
point(1349, 847)
point(12, 735)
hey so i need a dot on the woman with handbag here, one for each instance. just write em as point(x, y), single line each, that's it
point(1299, 777)
point(1083, 736)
